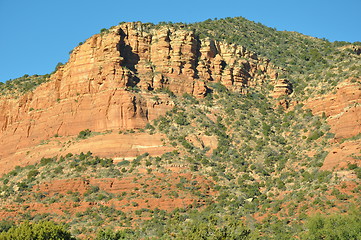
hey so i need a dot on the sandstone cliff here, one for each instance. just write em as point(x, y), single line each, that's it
point(343, 111)
point(98, 88)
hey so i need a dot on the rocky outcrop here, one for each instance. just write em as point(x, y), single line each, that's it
point(154, 194)
point(356, 49)
point(119, 147)
point(179, 61)
point(98, 88)
point(343, 112)
point(340, 155)
point(28, 123)
point(282, 87)
point(342, 109)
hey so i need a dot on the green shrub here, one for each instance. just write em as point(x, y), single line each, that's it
point(45, 161)
point(358, 172)
point(315, 135)
point(44, 230)
point(84, 134)
point(342, 227)
point(109, 234)
point(32, 173)
point(104, 31)
point(352, 166)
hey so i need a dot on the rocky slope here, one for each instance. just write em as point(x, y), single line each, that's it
point(197, 129)
point(342, 110)
point(97, 88)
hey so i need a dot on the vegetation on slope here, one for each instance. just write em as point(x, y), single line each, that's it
point(89, 201)
point(264, 167)
point(266, 179)
point(313, 65)
point(263, 164)
point(36, 231)
point(22, 84)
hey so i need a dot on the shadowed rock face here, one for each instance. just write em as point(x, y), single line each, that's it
point(178, 60)
point(95, 89)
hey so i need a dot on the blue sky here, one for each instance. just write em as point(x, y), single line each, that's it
point(37, 34)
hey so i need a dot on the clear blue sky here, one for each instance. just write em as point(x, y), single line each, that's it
point(37, 34)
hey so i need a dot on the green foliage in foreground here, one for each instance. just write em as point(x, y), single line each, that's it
point(111, 235)
point(198, 227)
point(44, 230)
point(336, 227)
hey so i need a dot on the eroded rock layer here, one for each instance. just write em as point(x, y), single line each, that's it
point(98, 88)
point(343, 112)
point(342, 109)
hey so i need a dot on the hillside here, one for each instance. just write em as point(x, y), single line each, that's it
point(218, 128)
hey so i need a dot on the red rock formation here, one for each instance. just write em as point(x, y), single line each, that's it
point(342, 109)
point(343, 112)
point(341, 155)
point(282, 87)
point(97, 88)
point(116, 186)
point(176, 59)
point(113, 145)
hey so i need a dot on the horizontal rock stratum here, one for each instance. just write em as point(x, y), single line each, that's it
point(98, 88)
